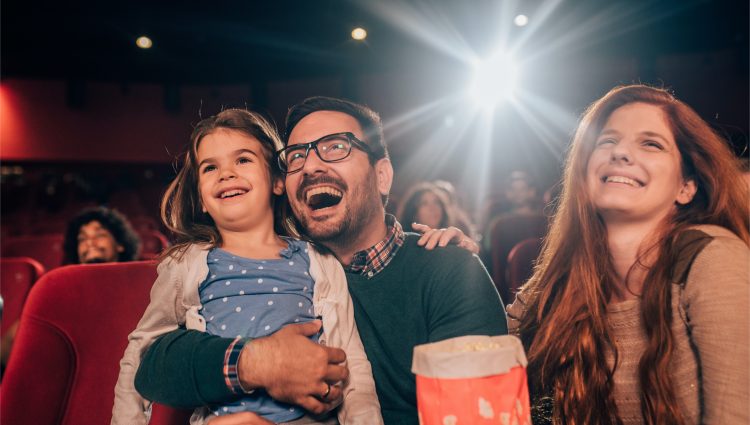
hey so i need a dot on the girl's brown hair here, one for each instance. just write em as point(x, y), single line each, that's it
point(565, 328)
point(181, 209)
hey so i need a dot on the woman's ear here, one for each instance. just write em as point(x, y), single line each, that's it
point(278, 186)
point(687, 192)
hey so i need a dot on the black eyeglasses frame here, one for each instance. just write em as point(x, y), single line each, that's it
point(350, 137)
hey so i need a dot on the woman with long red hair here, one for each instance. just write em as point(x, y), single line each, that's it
point(637, 311)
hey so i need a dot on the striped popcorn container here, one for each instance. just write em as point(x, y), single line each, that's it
point(472, 380)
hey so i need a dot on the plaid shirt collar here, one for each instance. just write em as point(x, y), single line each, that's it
point(373, 260)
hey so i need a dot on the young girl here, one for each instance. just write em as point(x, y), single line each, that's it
point(232, 274)
point(638, 308)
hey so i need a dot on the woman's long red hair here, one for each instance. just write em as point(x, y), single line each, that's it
point(565, 328)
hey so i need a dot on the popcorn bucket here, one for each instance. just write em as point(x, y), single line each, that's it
point(472, 380)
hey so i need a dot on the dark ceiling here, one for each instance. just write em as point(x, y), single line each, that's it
point(248, 40)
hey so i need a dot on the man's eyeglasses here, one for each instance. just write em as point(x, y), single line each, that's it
point(331, 148)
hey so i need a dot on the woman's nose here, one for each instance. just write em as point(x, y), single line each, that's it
point(621, 153)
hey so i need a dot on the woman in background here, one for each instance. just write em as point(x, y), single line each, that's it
point(425, 203)
point(638, 308)
point(426, 209)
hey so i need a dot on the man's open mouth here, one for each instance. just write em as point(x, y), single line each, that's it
point(323, 197)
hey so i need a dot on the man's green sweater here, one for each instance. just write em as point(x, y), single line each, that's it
point(421, 296)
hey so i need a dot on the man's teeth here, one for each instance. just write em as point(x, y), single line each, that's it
point(321, 190)
point(621, 179)
point(229, 193)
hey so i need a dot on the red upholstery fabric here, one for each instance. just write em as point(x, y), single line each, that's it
point(17, 274)
point(47, 249)
point(521, 262)
point(143, 222)
point(49, 225)
point(72, 335)
point(152, 243)
point(506, 232)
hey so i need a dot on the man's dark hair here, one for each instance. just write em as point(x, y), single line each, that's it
point(113, 221)
point(368, 119)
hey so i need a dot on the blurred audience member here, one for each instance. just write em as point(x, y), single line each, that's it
point(522, 220)
point(424, 203)
point(461, 217)
point(100, 235)
point(521, 193)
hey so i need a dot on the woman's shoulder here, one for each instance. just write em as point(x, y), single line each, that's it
point(714, 231)
point(711, 252)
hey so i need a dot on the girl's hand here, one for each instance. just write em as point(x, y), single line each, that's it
point(242, 418)
point(442, 237)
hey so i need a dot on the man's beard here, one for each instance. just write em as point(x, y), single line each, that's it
point(357, 215)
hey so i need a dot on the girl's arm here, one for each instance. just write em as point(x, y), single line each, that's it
point(360, 405)
point(163, 314)
point(717, 302)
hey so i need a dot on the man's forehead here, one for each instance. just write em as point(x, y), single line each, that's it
point(323, 123)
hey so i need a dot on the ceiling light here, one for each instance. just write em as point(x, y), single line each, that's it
point(494, 80)
point(144, 42)
point(359, 33)
point(521, 20)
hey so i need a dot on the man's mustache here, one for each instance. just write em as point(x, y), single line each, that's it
point(308, 181)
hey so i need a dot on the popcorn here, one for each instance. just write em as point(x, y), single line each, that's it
point(472, 380)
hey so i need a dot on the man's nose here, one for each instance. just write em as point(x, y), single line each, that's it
point(313, 163)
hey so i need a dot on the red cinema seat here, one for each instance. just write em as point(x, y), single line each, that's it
point(17, 274)
point(47, 249)
point(521, 261)
point(152, 243)
point(143, 222)
point(506, 232)
point(72, 336)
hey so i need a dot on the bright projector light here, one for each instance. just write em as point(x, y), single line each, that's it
point(494, 80)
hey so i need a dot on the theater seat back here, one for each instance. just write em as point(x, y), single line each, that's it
point(506, 232)
point(72, 335)
point(521, 261)
point(17, 275)
point(153, 243)
point(47, 249)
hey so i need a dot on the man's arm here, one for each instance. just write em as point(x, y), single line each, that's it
point(189, 369)
point(185, 369)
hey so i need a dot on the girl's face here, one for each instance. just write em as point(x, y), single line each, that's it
point(429, 210)
point(234, 181)
point(634, 172)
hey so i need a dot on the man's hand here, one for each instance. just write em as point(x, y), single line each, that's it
point(293, 369)
point(242, 418)
point(442, 237)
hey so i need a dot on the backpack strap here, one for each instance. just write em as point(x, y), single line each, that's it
point(688, 245)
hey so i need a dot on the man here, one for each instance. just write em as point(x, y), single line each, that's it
point(338, 179)
point(100, 235)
